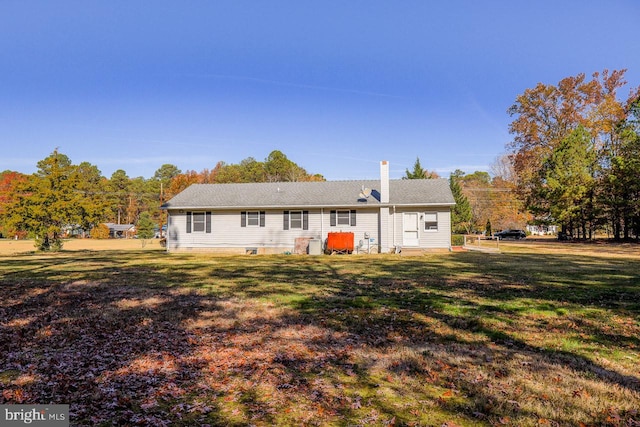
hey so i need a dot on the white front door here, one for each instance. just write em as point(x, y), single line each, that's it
point(410, 235)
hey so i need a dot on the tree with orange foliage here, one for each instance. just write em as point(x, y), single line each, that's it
point(9, 182)
point(493, 200)
point(546, 115)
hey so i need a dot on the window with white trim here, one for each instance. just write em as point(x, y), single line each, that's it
point(198, 222)
point(342, 217)
point(252, 219)
point(431, 221)
point(295, 219)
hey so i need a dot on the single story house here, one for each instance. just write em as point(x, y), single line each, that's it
point(384, 215)
point(120, 231)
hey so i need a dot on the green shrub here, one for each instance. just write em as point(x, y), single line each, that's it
point(457, 240)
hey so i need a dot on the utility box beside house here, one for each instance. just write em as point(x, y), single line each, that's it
point(315, 247)
point(340, 242)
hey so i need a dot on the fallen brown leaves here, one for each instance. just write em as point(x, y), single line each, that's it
point(121, 350)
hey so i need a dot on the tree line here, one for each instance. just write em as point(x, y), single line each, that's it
point(575, 154)
point(574, 161)
point(62, 198)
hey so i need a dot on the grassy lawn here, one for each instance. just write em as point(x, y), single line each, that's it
point(543, 334)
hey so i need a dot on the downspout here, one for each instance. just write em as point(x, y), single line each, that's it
point(384, 202)
point(394, 228)
point(166, 234)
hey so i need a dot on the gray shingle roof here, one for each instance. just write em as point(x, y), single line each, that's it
point(119, 227)
point(415, 192)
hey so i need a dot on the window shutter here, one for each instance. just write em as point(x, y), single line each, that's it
point(305, 220)
point(243, 219)
point(188, 222)
point(285, 220)
point(262, 215)
point(332, 220)
point(208, 222)
point(353, 218)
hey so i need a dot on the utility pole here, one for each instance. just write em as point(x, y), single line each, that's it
point(161, 213)
point(129, 210)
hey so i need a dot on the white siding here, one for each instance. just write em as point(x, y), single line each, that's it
point(440, 239)
point(386, 230)
point(227, 233)
point(366, 222)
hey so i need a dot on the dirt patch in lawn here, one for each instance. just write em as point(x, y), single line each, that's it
point(10, 246)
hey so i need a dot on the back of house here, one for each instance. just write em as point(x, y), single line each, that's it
point(379, 215)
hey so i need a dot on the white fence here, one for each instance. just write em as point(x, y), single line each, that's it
point(480, 242)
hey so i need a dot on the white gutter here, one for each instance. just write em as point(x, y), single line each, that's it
point(345, 206)
point(394, 227)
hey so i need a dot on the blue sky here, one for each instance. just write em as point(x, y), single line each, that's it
point(337, 86)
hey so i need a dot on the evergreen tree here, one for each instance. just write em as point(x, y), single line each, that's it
point(252, 170)
point(544, 117)
point(91, 186)
point(417, 173)
point(621, 187)
point(145, 227)
point(119, 196)
point(569, 178)
point(47, 202)
point(279, 168)
point(461, 212)
point(166, 173)
point(59, 197)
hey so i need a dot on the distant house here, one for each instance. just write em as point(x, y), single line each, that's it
point(383, 215)
point(542, 230)
point(121, 231)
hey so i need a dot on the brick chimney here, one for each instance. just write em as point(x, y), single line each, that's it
point(384, 181)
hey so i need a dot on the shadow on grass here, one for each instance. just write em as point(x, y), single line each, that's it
point(151, 338)
point(127, 339)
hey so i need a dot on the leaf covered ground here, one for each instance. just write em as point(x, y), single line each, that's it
point(537, 335)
